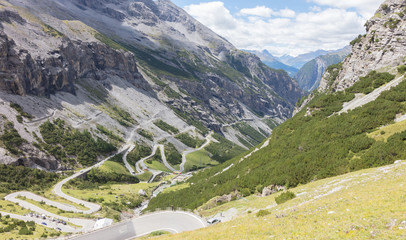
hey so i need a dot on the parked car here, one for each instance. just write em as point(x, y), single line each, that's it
point(213, 221)
point(44, 223)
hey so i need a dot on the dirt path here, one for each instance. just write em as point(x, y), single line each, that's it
point(358, 102)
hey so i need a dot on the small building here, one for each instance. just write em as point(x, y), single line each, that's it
point(102, 223)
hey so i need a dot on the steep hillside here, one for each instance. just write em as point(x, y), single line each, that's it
point(325, 139)
point(273, 62)
point(195, 71)
point(309, 76)
point(344, 207)
point(112, 69)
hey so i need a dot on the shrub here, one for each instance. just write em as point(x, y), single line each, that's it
point(148, 135)
point(24, 231)
point(166, 127)
point(245, 192)
point(371, 81)
point(259, 188)
point(16, 178)
point(61, 141)
point(108, 133)
point(11, 138)
point(392, 23)
point(285, 196)
point(20, 110)
point(158, 233)
point(402, 69)
point(189, 141)
point(172, 155)
point(140, 151)
point(262, 213)
point(224, 149)
point(356, 40)
point(19, 118)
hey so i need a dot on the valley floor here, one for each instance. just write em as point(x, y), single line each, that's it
point(368, 204)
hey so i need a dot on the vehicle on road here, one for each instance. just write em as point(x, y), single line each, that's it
point(44, 223)
point(213, 221)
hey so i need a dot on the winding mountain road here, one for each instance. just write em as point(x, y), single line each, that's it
point(209, 139)
point(172, 221)
point(164, 160)
point(86, 224)
point(169, 221)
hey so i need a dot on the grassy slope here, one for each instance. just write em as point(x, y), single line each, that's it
point(39, 231)
point(157, 165)
point(383, 133)
point(307, 148)
point(108, 192)
point(110, 166)
point(360, 205)
point(198, 159)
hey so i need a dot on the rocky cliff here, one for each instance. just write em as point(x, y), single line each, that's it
point(382, 48)
point(58, 69)
point(112, 67)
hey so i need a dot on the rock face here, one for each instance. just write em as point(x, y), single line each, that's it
point(382, 48)
point(187, 54)
point(71, 61)
point(310, 74)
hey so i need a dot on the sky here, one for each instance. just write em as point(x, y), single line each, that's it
point(284, 27)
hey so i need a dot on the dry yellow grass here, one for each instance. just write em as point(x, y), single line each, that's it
point(368, 204)
point(385, 132)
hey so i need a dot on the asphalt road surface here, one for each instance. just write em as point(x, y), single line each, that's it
point(170, 221)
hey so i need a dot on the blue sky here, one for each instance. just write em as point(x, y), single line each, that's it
point(284, 26)
point(236, 5)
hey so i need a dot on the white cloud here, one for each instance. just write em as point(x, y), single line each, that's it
point(286, 13)
point(366, 8)
point(315, 8)
point(281, 32)
point(260, 11)
point(213, 14)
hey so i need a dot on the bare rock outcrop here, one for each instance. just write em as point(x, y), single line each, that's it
point(266, 191)
point(382, 48)
point(23, 74)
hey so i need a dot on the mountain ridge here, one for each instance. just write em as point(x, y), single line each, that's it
point(309, 76)
point(273, 61)
point(114, 64)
